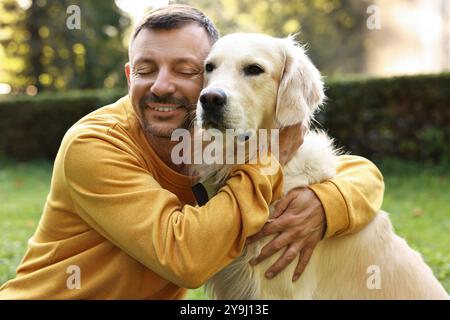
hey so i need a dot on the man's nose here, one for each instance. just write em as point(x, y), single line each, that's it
point(163, 84)
point(213, 99)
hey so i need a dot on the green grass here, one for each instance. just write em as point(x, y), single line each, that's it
point(23, 190)
point(418, 200)
point(417, 196)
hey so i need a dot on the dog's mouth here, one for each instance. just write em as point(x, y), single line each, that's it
point(240, 135)
point(218, 120)
point(214, 122)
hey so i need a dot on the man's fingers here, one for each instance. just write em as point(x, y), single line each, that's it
point(272, 247)
point(303, 262)
point(288, 256)
point(271, 227)
point(281, 205)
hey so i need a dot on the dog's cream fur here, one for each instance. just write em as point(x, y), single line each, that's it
point(287, 92)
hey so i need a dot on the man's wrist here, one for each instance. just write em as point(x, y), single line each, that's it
point(334, 207)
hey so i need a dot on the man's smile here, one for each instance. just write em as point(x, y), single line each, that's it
point(163, 108)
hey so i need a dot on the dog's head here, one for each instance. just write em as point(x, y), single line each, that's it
point(255, 81)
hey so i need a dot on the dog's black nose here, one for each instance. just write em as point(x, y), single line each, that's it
point(213, 99)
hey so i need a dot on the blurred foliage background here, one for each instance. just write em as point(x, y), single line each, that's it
point(39, 53)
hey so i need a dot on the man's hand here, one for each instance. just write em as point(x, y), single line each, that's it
point(299, 220)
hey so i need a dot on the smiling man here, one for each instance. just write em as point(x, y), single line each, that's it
point(165, 76)
point(121, 221)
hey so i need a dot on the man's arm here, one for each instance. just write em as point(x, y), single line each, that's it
point(113, 193)
point(339, 206)
point(351, 199)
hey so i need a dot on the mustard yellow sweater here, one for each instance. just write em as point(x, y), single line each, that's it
point(131, 226)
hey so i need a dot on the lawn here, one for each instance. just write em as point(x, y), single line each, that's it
point(417, 196)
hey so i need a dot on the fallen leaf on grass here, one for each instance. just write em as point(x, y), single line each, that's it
point(417, 212)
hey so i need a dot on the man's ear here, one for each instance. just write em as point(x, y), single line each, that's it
point(127, 72)
point(300, 91)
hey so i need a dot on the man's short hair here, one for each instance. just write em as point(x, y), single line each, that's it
point(176, 16)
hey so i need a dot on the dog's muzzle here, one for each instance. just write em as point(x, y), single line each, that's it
point(213, 102)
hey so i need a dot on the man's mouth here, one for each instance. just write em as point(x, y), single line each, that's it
point(163, 107)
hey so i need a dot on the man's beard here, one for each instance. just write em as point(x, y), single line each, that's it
point(187, 122)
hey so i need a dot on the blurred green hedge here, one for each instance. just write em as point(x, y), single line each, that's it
point(404, 117)
point(33, 127)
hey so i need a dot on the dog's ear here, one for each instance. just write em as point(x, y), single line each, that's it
point(300, 91)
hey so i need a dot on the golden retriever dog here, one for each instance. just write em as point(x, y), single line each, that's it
point(254, 81)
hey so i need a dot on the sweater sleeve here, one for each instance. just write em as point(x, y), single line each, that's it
point(352, 198)
point(121, 200)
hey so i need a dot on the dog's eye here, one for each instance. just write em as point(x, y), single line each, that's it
point(253, 70)
point(209, 67)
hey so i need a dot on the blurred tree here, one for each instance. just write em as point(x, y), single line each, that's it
point(42, 51)
point(12, 46)
point(333, 29)
point(37, 48)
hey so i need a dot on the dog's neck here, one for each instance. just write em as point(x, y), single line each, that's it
point(221, 171)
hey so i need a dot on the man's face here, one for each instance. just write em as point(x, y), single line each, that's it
point(165, 77)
